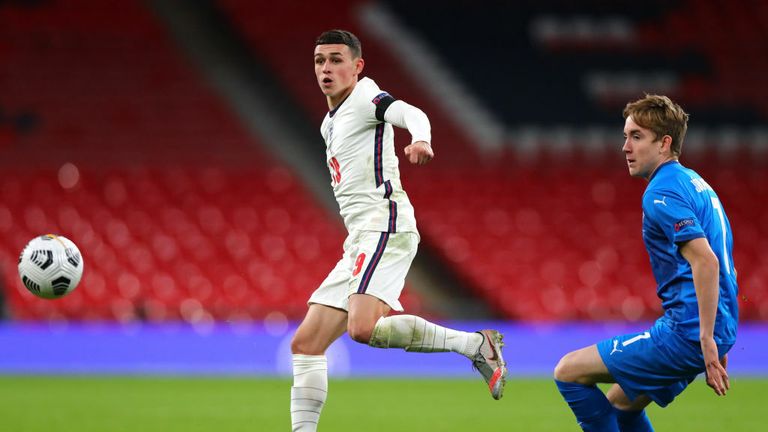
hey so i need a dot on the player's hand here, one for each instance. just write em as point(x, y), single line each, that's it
point(717, 377)
point(419, 153)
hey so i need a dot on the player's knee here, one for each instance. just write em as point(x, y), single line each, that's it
point(564, 371)
point(360, 332)
point(297, 346)
point(301, 345)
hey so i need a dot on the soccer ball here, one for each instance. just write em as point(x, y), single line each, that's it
point(50, 266)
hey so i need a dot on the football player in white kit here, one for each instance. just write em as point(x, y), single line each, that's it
point(365, 285)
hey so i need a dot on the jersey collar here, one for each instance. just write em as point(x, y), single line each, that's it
point(670, 162)
point(333, 111)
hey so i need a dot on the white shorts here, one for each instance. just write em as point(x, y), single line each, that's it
point(374, 263)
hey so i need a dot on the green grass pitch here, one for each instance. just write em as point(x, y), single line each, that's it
point(148, 404)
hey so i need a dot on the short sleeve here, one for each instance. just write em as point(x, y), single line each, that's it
point(673, 215)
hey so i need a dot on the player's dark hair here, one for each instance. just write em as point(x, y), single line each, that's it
point(662, 116)
point(342, 37)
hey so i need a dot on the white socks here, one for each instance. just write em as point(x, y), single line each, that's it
point(310, 387)
point(416, 334)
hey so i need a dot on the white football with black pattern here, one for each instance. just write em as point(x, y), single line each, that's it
point(50, 266)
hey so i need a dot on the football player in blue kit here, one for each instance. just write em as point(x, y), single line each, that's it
point(689, 241)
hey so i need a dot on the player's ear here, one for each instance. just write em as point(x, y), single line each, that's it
point(666, 144)
point(359, 65)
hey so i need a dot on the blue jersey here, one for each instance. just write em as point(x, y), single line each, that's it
point(678, 206)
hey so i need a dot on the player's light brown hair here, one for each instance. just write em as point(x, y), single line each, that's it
point(342, 37)
point(662, 116)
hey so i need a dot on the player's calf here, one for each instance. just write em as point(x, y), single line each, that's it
point(414, 334)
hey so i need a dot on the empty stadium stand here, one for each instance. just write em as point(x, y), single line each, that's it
point(179, 212)
point(557, 62)
point(558, 236)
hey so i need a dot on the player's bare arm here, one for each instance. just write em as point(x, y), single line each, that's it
point(706, 272)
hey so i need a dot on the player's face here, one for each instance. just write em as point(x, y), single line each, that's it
point(336, 71)
point(643, 151)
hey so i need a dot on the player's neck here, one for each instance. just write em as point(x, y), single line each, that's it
point(336, 100)
point(664, 161)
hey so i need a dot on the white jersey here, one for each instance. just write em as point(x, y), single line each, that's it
point(361, 156)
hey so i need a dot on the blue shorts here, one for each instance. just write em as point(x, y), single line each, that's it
point(657, 363)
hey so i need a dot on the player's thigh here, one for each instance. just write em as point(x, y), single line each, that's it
point(583, 366)
point(620, 400)
point(334, 290)
point(321, 326)
point(657, 363)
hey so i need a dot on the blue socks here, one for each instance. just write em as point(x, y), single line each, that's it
point(592, 409)
point(633, 421)
point(595, 414)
